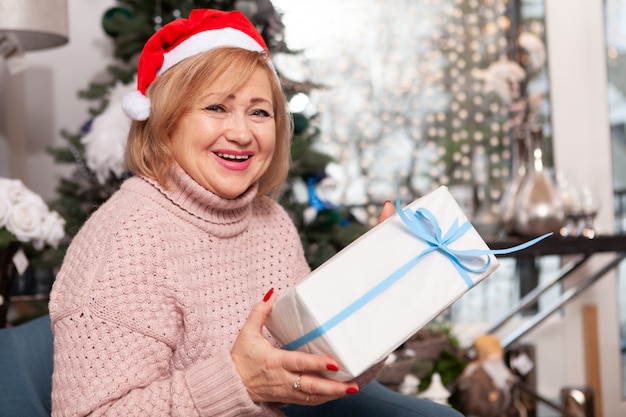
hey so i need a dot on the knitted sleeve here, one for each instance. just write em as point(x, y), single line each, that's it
point(122, 373)
point(116, 327)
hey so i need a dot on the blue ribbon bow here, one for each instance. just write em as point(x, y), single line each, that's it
point(423, 224)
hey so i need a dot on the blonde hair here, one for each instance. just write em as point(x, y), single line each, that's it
point(174, 93)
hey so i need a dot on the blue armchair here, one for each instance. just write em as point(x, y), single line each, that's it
point(26, 362)
point(26, 369)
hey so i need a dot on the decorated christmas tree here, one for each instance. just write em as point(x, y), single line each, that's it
point(97, 148)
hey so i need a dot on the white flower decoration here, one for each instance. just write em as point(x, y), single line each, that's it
point(52, 228)
point(503, 78)
point(535, 48)
point(13, 189)
point(5, 207)
point(105, 142)
point(26, 216)
point(25, 222)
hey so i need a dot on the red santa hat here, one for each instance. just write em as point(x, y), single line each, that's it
point(180, 39)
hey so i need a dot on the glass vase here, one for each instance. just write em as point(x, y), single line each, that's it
point(485, 220)
point(8, 273)
point(538, 206)
point(519, 167)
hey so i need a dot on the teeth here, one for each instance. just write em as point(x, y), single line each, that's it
point(233, 157)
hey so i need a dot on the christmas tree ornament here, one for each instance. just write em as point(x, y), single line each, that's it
point(205, 29)
point(111, 20)
point(436, 391)
point(105, 141)
point(158, 15)
point(314, 200)
point(484, 387)
point(409, 385)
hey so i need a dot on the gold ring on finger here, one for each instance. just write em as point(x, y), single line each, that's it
point(296, 383)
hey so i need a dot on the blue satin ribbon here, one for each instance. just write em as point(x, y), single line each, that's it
point(423, 224)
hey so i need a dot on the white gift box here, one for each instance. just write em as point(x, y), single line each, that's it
point(372, 296)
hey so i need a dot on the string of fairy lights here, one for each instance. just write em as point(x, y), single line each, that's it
point(402, 110)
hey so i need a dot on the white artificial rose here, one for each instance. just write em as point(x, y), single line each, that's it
point(52, 228)
point(13, 189)
point(26, 215)
point(5, 208)
point(35, 200)
point(25, 221)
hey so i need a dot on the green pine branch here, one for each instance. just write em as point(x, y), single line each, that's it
point(129, 25)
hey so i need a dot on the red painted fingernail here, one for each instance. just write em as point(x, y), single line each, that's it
point(352, 390)
point(268, 295)
point(387, 201)
point(332, 367)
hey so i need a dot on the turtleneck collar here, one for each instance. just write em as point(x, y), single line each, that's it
point(219, 216)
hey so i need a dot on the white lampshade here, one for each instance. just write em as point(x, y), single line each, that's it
point(37, 24)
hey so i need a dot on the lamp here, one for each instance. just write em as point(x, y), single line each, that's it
point(27, 25)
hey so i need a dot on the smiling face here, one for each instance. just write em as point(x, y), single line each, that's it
point(199, 108)
point(226, 141)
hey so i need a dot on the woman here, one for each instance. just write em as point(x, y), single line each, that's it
point(160, 302)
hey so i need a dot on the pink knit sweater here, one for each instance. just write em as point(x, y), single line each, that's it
point(152, 293)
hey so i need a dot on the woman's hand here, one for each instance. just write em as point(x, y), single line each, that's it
point(275, 375)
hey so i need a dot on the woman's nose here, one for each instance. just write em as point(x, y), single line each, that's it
point(237, 128)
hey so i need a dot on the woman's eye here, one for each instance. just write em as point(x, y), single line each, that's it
point(261, 113)
point(215, 108)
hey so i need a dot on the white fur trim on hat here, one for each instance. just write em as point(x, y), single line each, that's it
point(136, 106)
point(205, 41)
point(203, 30)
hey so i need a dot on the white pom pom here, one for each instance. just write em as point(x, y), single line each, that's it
point(136, 106)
